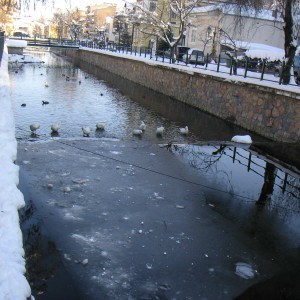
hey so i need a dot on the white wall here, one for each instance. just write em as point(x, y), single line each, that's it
point(255, 31)
point(248, 30)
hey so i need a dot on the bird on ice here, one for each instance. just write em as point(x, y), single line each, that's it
point(137, 132)
point(55, 127)
point(160, 130)
point(142, 126)
point(34, 128)
point(100, 126)
point(86, 131)
point(184, 130)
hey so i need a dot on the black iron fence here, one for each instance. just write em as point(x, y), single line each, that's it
point(261, 70)
point(283, 180)
point(2, 40)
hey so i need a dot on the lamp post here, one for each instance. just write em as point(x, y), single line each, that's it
point(119, 31)
point(101, 35)
point(132, 34)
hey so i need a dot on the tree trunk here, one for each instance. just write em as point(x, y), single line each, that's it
point(289, 46)
point(268, 186)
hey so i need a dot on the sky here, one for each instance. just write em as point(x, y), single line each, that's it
point(48, 10)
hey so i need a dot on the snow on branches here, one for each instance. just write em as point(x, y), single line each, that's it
point(167, 20)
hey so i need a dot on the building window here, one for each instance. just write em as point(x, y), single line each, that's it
point(193, 36)
point(152, 5)
point(173, 16)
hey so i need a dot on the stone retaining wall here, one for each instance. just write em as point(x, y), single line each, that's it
point(267, 111)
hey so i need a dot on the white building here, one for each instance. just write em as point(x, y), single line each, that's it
point(217, 27)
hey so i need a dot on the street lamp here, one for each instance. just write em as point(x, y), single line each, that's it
point(102, 35)
point(134, 21)
point(119, 31)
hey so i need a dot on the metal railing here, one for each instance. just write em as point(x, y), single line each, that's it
point(246, 68)
point(48, 42)
point(272, 175)
point(2, 40)
point(285, 181)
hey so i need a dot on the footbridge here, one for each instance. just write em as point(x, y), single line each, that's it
point(49, 42)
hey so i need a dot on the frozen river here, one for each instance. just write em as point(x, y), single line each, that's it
point(140, 222)
point(87, 99)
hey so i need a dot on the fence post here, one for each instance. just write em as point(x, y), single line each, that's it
point(218, 67)
point(196, 60)
point(2, 39)
point(231, 63)
point(284, 182)
point(263, 70)
point(249, 162)
point(234, 154)
point(246, 68)
point(280, 79)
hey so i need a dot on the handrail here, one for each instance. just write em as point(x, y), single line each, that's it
point(260, 67)
point(2, 40)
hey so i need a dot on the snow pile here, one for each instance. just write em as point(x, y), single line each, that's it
point(16, 43)
point(265, 52)
point(256, 50)
point(13, 284)
point(244, 139)
point(17, 58)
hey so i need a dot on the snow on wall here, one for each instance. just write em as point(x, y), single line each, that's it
point(13, 284)
point(16, 43)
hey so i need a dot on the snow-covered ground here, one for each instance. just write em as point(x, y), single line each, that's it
point(13, 284)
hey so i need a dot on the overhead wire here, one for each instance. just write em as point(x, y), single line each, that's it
point(245, 198)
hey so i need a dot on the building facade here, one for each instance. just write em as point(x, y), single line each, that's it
point(216, 28)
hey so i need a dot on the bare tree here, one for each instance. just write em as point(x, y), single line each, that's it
point(121, 27)
point(167, 21)
point(74, 23)
point(59, 23)
point(6, 9)
point(288, 11)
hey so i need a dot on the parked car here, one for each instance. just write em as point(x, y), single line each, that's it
point(20, 34)
point(194, 56)
point(296, 69)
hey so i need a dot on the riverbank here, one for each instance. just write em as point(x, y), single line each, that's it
point(12, 262)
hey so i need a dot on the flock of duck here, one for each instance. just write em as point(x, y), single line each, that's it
point(86, 130)
point(100, 126)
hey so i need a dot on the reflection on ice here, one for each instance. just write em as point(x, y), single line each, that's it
point(242, 174)
point(244, 270)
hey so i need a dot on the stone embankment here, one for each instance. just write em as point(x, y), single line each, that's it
point(268, 111)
